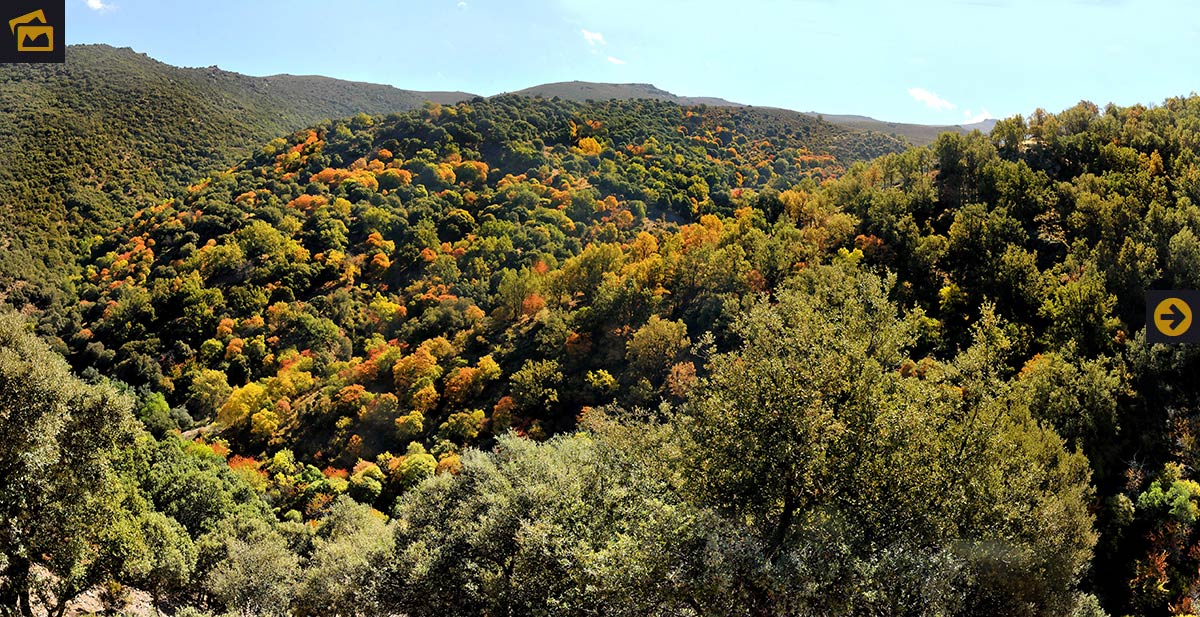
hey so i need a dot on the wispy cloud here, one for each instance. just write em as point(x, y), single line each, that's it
point(930, 99)
point(462, 5)
point(616, 61)
point(99, 5)
point(593, 38)
point(983, 114)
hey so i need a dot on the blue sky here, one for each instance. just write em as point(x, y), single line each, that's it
point(940, 62)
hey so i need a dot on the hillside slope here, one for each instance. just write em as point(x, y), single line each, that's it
point(88, 142)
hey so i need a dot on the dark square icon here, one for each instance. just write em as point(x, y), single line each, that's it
point(1171, 316)
point(33, 31)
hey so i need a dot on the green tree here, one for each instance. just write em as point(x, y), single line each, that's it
point(417, 465)
point(251, 570)
point(61, 502)
point(535, 386)
point(340, 576)
point(861, 485)
point(656, 346)
point(1080, 312)
point(208, 392)
point(1080, 398)
point(570, 526)
point(170, 558)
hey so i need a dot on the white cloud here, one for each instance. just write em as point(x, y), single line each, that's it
point(462, 5)
point(616, 61)
point(983, 114)
point(98, 5)
point(930, 99)
point(593, 38)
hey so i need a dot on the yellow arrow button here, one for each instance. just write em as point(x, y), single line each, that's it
point(1173, 317)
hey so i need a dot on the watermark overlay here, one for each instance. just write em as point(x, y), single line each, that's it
point(1169, 316)
point(34, 32)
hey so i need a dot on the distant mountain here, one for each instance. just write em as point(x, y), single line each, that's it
point(88, 142)
point(917, 134)
point(985, 126)
point(583, 91)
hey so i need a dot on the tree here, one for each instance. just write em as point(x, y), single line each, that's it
point(1080, 398)
point(463, 426)
point(416, 465)
point(535, 386)
point(193, 485)
point(340, 577)
point(170, 558)
point(242, 403)
point(656, 346)
point(251, 571)
point(863, 486)
point(60, 501)
point(155, 414)
point(570, 526)
point(1080, 312)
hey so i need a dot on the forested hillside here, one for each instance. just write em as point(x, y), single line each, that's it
point(520, 356)
point(469, 244)
point(85, 144)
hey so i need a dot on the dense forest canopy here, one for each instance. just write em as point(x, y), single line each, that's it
point(408, 264)
point(529, 356)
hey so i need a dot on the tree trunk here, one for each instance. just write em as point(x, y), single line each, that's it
point(23, 603)
point(69, 592)
point(790, 506)
point(8, 590)
point(17, 594)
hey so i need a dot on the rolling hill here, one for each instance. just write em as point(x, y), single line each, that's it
point(85, 144)
point(516, 182)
